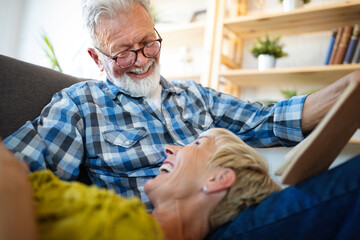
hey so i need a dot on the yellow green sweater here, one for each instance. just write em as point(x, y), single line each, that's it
point(71, 210)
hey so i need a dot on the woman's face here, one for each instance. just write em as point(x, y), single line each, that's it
point(183, 172)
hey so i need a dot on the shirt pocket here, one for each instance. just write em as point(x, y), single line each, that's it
point(125, 138)
point(202, 120)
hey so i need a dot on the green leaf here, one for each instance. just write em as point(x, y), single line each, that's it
point(50, 53)
point(268, 46)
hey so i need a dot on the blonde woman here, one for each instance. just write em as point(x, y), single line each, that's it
point(216, 180)
point(206, 184)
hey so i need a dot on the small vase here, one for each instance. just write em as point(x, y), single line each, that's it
point(289, 5)
point(265, 61)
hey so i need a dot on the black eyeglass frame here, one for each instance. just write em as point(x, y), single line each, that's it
point(135, 51)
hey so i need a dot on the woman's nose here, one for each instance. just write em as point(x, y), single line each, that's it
point(171, 150)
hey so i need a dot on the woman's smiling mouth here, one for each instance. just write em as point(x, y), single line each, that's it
point(166, 167)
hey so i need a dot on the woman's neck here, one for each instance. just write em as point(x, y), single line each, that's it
point(182, 221)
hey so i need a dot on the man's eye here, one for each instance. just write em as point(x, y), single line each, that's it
point(197, 142)
point(149, 44)
point(123, 54)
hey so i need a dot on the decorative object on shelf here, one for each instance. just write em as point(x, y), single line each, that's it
point(289, 5)
point(356, 57)
point(266, 61)
point(267, 51)
point(343, 45)
point(352, 44)
point(331, 46)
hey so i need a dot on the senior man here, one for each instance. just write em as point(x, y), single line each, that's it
point(118, 129)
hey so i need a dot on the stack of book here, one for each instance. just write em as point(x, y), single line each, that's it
point(344, 46)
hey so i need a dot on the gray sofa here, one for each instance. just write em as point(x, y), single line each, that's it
point(24, 91)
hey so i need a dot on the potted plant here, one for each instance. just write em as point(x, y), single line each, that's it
point(267, 51)
point(289, 5)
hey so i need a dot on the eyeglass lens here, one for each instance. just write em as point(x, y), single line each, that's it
point(128, 58)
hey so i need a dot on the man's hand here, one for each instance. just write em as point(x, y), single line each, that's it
point(17, 215)
point(318, 104)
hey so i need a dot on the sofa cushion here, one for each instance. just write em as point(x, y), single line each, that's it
point(25, 90)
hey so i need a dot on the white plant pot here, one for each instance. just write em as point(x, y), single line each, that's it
point(289, 5)
point(265, 62)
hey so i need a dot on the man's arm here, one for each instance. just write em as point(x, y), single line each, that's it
point(53, 141)
point(17, 213)
point(318, 104)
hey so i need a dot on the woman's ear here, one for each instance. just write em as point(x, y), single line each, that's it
point(221, 179)
point(93, 54)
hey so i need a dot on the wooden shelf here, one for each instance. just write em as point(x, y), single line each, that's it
point(354, 141)
point(289, 76)
point(188, 34)
point(302, 20)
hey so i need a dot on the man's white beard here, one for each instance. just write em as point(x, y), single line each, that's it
point(144, 87)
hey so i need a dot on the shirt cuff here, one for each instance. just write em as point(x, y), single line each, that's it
point(287, 120)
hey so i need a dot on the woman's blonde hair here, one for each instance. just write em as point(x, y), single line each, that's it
point(253, 182)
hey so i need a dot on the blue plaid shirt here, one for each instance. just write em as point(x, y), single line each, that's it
point(121, 137)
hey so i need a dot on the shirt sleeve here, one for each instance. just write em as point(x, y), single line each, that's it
point(258, 125)
point(52, 141)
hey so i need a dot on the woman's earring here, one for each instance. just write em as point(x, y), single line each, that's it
point(204, 189)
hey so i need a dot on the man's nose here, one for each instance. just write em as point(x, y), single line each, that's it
point(140, 58)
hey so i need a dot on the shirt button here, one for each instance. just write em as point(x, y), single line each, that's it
point(127, 142)
point(144, 102)
point(203, 126)
point(169, 128)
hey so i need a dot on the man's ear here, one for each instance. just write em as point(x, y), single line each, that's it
point(93, 54)
point(221, 179)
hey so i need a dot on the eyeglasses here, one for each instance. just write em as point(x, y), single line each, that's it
point(127, 58)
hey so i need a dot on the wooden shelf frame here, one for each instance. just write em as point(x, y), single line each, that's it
point(311, 75)
point(302, 20)
point(298, 21)
point(354, 141)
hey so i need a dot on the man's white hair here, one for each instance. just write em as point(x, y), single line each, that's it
point(94, 10)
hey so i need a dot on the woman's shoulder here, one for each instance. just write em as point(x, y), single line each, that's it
point(75, 209)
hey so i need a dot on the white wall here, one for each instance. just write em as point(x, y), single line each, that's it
point(10, 25)
point(61, 21)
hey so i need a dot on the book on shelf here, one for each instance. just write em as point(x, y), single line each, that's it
point(356, 56)
point(336, 44)
point(352, 45)
point(331, 46)
point(317, 152)
point(343, 45)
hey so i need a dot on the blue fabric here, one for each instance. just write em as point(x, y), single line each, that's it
point(326, 206)
point(121, 136)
